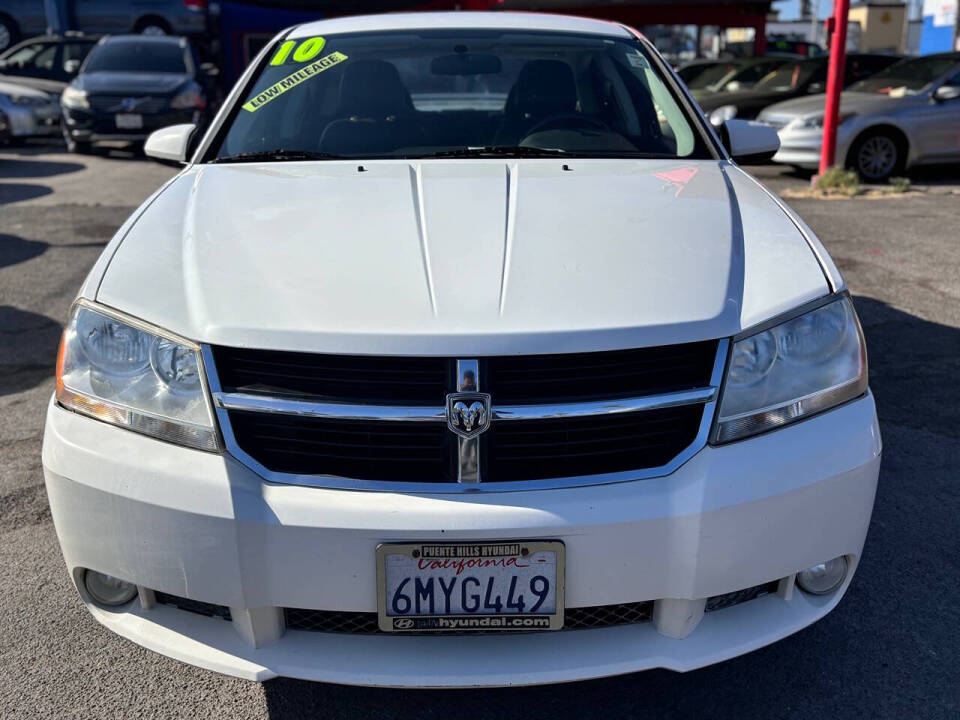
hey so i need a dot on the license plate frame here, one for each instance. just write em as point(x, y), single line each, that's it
point(443, 623)
point(128, 121)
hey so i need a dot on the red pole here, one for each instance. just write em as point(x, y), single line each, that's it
point(838, 57)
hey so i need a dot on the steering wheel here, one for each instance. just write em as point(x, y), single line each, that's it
point(567, 120)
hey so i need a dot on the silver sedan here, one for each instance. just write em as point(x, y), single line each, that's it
point(906, 115)
point(26, 112)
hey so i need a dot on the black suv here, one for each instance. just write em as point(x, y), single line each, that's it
point(131, 85)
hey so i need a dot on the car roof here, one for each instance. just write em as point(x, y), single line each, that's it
point(460, 20)
point(146, 39)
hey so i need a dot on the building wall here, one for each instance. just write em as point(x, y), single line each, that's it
point(883, 26)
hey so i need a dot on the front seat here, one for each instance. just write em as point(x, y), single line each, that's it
point(374, 112)
point(544, 88)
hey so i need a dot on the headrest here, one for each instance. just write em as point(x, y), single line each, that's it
point(545, 87)
point(372, 89)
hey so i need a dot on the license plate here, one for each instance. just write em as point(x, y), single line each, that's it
point(129, 121)
point(466, 587)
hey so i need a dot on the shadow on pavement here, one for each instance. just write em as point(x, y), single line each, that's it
point(888, 650)
point(18, 192)
point(14, 250)
point(36, 168)
point(28, 349)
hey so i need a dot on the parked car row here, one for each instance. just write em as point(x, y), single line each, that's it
point(117, 87)
point(895, 112)
point(27, 18)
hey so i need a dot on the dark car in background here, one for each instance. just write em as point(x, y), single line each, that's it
point(46, 63)
point(733, 75)
point(25, 18)
point(795, 78)
point(131, 85)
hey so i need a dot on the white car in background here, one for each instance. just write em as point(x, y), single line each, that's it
point(461, 353)
point(904, 116)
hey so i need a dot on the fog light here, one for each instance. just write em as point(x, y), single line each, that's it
point(823, 578)
point(108, 590)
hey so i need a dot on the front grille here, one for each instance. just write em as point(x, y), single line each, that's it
point(115, 104)
point(399, 451)
point(341, 377)
point(311, 429)
point(359, 623)
point(597, 376)
point(589, 445)
point(719, 602)
point(194, 606)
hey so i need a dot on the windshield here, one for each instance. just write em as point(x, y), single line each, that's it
point(713, 76)
point(789, 77)
point(907, 77)
point(133, 56)
point(416, 94)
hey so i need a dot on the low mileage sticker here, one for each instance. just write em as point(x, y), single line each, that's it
point(293, 79)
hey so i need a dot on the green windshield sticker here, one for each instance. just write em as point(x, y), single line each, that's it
point(306, 51)
point(293, 79)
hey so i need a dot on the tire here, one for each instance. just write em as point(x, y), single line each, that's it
point(877, 156)
point(152, 26)
point(9, 34)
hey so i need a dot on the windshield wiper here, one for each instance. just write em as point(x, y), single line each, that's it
point(497, 151)
point(279, 155)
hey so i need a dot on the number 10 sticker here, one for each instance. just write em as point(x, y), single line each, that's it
point(305, 51)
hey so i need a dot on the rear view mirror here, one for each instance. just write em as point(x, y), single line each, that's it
point(71, 66)
point(465, 64)
point(749, 142)
point(170, 144)
point(946, 92)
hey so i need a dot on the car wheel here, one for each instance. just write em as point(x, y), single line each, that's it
point(8, 33)
point(152, 26)
point(877, 156)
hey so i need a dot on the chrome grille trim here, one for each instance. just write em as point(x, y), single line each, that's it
point(413, 413)
point(223, 402)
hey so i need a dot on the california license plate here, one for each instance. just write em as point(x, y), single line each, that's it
point(128, 121)
point(467, 587)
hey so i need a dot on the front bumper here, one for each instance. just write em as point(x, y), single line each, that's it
point(31, 121)
point(95, 126)
point(202, 526)
point(801, 148)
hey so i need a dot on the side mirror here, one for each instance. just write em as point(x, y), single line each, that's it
point(946, 92)
point(170, 144)
point(71, 66)
point(750, 142)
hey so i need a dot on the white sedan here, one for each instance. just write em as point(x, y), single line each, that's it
point(461, 353)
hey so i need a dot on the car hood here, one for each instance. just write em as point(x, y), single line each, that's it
point(455, 257)
point(124, 82)
point(858, 102)
point(50, 87)
point(15, 89)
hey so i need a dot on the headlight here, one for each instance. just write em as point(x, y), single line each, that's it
point(73, 98)
point(127, 373)
point(816, 122)
point(790, 371)
point(722, 114)
point(188, 99)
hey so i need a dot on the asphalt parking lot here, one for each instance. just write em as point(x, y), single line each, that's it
point(890, 650)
